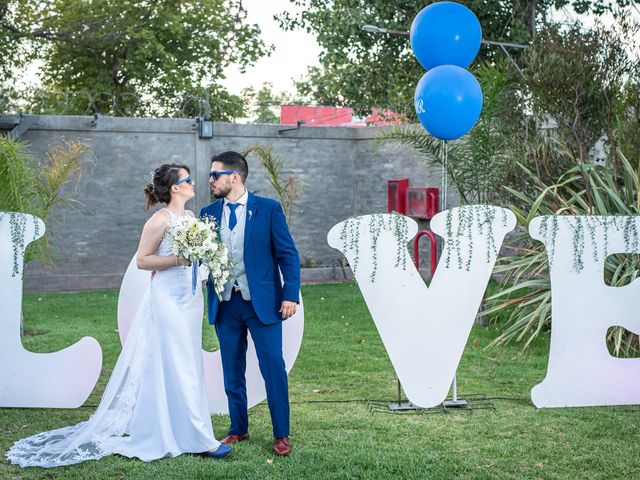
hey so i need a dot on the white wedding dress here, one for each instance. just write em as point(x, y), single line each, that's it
point(155, 404)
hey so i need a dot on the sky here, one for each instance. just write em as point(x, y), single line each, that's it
point(294, 51)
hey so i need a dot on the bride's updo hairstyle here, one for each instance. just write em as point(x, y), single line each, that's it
point(164, 177)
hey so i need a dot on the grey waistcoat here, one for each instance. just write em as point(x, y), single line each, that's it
point(234, 240)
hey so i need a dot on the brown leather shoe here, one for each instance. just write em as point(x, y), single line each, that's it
point(281, 446)
point(232, 438)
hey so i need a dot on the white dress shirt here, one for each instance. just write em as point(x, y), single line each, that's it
point(241, 209)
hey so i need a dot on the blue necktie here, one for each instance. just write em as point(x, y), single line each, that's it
point(232, 215)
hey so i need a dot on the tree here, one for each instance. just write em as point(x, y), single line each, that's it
point(13, 23)
point(604, 75)
point(264, 103)
point(135, 57)
point(363, 70)
point(598, 98)
point(29, 186)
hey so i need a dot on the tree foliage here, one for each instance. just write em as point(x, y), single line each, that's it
point(264, 104)
point(545, 119)
point(604, 77)
point(131, 56)
point(363, 70)
point(587, 83)
point(14, 23)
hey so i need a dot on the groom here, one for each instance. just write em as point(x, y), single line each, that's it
point(254, 299)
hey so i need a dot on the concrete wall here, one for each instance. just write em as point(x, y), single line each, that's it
point(344, 170)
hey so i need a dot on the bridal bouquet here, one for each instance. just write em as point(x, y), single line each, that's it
point(197, 240)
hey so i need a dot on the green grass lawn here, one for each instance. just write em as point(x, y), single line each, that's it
point(334, 435)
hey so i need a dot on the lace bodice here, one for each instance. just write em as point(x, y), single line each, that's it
point(164, 249)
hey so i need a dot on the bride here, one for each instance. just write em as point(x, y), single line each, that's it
point(155, 404)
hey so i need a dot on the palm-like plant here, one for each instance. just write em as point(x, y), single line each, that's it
point(587, 189)
point(287, 190)
point(29, 186)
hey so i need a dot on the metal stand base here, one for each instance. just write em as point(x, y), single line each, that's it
point(402, 406)
point(464, 403)
point(455, 403)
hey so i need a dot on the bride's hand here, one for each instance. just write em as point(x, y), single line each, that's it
point(183, 261)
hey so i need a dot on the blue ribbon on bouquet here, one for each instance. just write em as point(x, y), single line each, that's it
point(194, 276)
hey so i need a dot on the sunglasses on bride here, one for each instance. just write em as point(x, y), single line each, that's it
point(188, 180)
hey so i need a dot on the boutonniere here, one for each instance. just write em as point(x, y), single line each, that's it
point(250, 213)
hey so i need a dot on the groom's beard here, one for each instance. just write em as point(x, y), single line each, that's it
point(221, 192)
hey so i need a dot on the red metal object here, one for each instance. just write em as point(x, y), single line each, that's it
point(416, 251)
point(382, 117)
point(315, 116)
point(422, 202)
point(433, 201)
point(397, 195)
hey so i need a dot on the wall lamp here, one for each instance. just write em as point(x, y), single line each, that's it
point(205, 128)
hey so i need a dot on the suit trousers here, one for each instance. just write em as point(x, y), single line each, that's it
point(236, 317)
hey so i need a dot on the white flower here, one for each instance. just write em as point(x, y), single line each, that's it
point(196, 240)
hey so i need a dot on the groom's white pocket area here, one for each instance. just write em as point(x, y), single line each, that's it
point(62, 379)
point(134, 285)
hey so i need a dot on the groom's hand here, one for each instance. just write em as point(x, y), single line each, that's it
point(288, 309)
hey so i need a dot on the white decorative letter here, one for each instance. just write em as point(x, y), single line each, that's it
point(581, 371)
point(424, 329)
point(62, 379)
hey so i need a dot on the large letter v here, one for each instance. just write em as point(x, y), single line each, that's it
point(424, 329)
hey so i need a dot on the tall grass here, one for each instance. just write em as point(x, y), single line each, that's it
point(585, 189)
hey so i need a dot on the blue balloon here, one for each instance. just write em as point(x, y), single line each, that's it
point(448, 101)
point(445, 33)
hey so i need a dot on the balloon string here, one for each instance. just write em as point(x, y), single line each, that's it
point(445, 159)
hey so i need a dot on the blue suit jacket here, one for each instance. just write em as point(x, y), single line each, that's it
point(267, 246)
